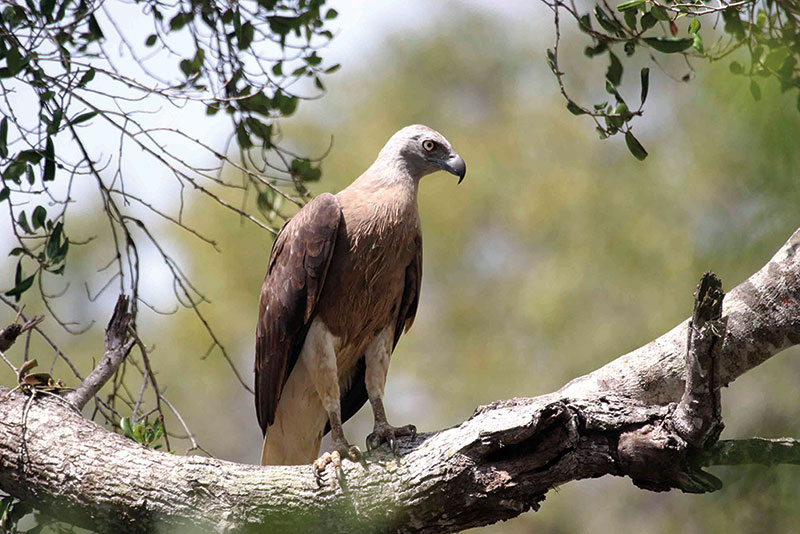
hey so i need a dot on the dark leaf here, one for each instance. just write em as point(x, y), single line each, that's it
point(4, 138)
point(585, 23)
point(54, 243)
point(668, 45)
point(614, 72)
point(635, 147)
point(21, 285)
point(246, 36)
point(630, 18)
point(608, 24)
point(673, 28)
point(4, 193)
point(49, 162)
point(38, 217)
point(647, 21)
point(659, 13)
point(151, 40)
point(736, 68)
point(86, 78)
point(14, 171)
point(83, 117)
point(645, 77)
point(331, 14)
point(31, 156)
point(242, 136)
point(575, 110)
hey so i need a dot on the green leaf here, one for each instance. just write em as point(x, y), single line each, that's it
point(777, 57)
point(49, 162)
point(38, 217)
point(736, 68)
point(30, 156)
point(22, 221)
point(608, 24)
point(333, 68)
point(14, 171)
point(551, 60)
point(4, 193)
point(55, 122)
point(635, 146)
point(331, 14)
point(4, 138)
point(631, 4)
point(647, 21)
point(83, 117)
point(125, 425)
point(151, 40)
point(585, 23)
point(575, 110)
point(246, 36)
point(645, 77)
point(86, 78)
point(54, 243)
point(694, 26)
point(21, 285)
point(138, 433)
point(733, 24)
point(614, 72)
point(659, 13)
point(668, 45)
point(755, 90)
point(630, 18)
point(242, 136)
point(697, 43)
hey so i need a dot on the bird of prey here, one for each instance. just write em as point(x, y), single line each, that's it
point(342, 285)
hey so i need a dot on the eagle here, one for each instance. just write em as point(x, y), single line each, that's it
point(342, 285)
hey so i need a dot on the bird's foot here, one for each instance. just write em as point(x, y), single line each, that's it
point(386, 433)
point(334, 457)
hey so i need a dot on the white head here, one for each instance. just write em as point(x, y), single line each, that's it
point(417, 150)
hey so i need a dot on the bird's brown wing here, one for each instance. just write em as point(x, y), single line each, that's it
point(355, 397)
point(295, 277)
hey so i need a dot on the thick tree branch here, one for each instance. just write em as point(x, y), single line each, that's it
point(493, 466)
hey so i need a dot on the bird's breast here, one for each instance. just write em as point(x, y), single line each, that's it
point(366, 278)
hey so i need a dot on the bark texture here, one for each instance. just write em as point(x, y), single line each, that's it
point(496, 465)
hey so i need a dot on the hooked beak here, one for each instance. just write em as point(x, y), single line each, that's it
point(455, 165)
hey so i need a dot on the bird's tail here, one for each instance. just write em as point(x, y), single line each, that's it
point(295, 436)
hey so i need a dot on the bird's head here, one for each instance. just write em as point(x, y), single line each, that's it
point(421, 150)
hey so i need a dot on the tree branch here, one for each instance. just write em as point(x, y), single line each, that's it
point(117, 346)
point(494, 466)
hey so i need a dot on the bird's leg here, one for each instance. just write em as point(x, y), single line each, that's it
point(377, 359)
point(321, 365)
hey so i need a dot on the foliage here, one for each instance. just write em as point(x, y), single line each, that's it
point(769, 30)
point(143, 432)
point(56, 54)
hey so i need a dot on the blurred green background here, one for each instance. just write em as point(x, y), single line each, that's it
point(558, 253)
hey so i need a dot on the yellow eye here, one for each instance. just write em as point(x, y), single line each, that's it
point(428, 145)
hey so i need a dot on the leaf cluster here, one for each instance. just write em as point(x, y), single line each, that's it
point(769, 30)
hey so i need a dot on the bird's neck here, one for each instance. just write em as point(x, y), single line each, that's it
point(392, 174)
